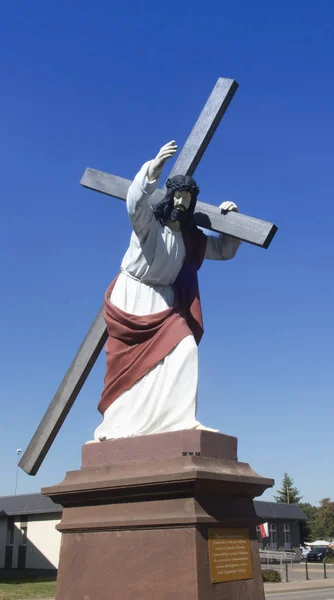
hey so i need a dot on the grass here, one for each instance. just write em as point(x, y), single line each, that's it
point(22, 589)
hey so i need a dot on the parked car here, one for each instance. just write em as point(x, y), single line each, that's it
point(318, 554)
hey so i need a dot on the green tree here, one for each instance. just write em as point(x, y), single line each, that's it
point(324, 521)
point(308, 531)
point(288, 492)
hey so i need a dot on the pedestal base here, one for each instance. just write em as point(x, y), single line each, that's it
point(138, 530)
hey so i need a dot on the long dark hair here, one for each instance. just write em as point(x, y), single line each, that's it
point(162, 211)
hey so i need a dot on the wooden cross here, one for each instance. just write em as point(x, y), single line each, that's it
point(248, 229)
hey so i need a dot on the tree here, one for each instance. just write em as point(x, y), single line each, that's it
point(288, 492)
point(324, 521)
point(308, 532)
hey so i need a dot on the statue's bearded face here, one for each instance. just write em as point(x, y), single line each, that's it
point(182, 199)
point(181, 203)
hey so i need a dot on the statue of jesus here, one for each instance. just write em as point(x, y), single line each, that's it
point(153, 311)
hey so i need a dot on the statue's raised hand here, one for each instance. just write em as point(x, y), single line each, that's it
point(156, 165)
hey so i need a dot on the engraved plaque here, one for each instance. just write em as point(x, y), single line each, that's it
point(230, 555)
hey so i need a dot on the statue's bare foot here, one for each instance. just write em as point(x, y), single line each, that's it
point(202, 427)
point(101, 439)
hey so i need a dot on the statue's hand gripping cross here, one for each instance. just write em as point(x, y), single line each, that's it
point(248, 229)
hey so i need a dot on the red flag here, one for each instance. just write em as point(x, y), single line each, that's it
point(264, 530)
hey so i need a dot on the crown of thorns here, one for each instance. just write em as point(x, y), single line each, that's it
point(182, 182)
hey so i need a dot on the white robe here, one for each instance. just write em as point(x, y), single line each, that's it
point(165, 399)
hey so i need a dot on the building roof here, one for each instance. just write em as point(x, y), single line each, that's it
point(278, 511)
point(27, 504)
point(32, 504)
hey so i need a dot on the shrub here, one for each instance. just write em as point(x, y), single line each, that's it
point(271, 575)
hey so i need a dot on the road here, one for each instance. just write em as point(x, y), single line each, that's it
point(309, 595)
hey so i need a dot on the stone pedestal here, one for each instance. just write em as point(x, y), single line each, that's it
point(138, 514)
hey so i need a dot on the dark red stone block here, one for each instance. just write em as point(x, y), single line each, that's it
point(136, 519)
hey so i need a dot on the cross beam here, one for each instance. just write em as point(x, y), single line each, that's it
point(246, 228)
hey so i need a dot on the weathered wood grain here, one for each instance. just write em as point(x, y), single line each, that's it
point(204, 128)
point(65, 396)
point(248, 229)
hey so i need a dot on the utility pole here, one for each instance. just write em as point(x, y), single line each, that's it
point(18, 452)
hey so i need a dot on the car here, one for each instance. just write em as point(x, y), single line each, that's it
point(318, 554)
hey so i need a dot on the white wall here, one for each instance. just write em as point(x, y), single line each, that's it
point(43, 544)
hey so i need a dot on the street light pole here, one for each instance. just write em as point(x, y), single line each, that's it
point(18, 452)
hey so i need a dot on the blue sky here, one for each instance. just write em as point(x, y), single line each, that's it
point(105, 85)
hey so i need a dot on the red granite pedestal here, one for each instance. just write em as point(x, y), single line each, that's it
point(137, 517)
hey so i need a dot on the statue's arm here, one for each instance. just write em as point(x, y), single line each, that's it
point(143, 186)
point(223, 246)
point(137, 200)
point(157, 164)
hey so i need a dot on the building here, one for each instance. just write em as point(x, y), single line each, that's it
point(30, 542)
point(283, 526)
point(28, 536)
